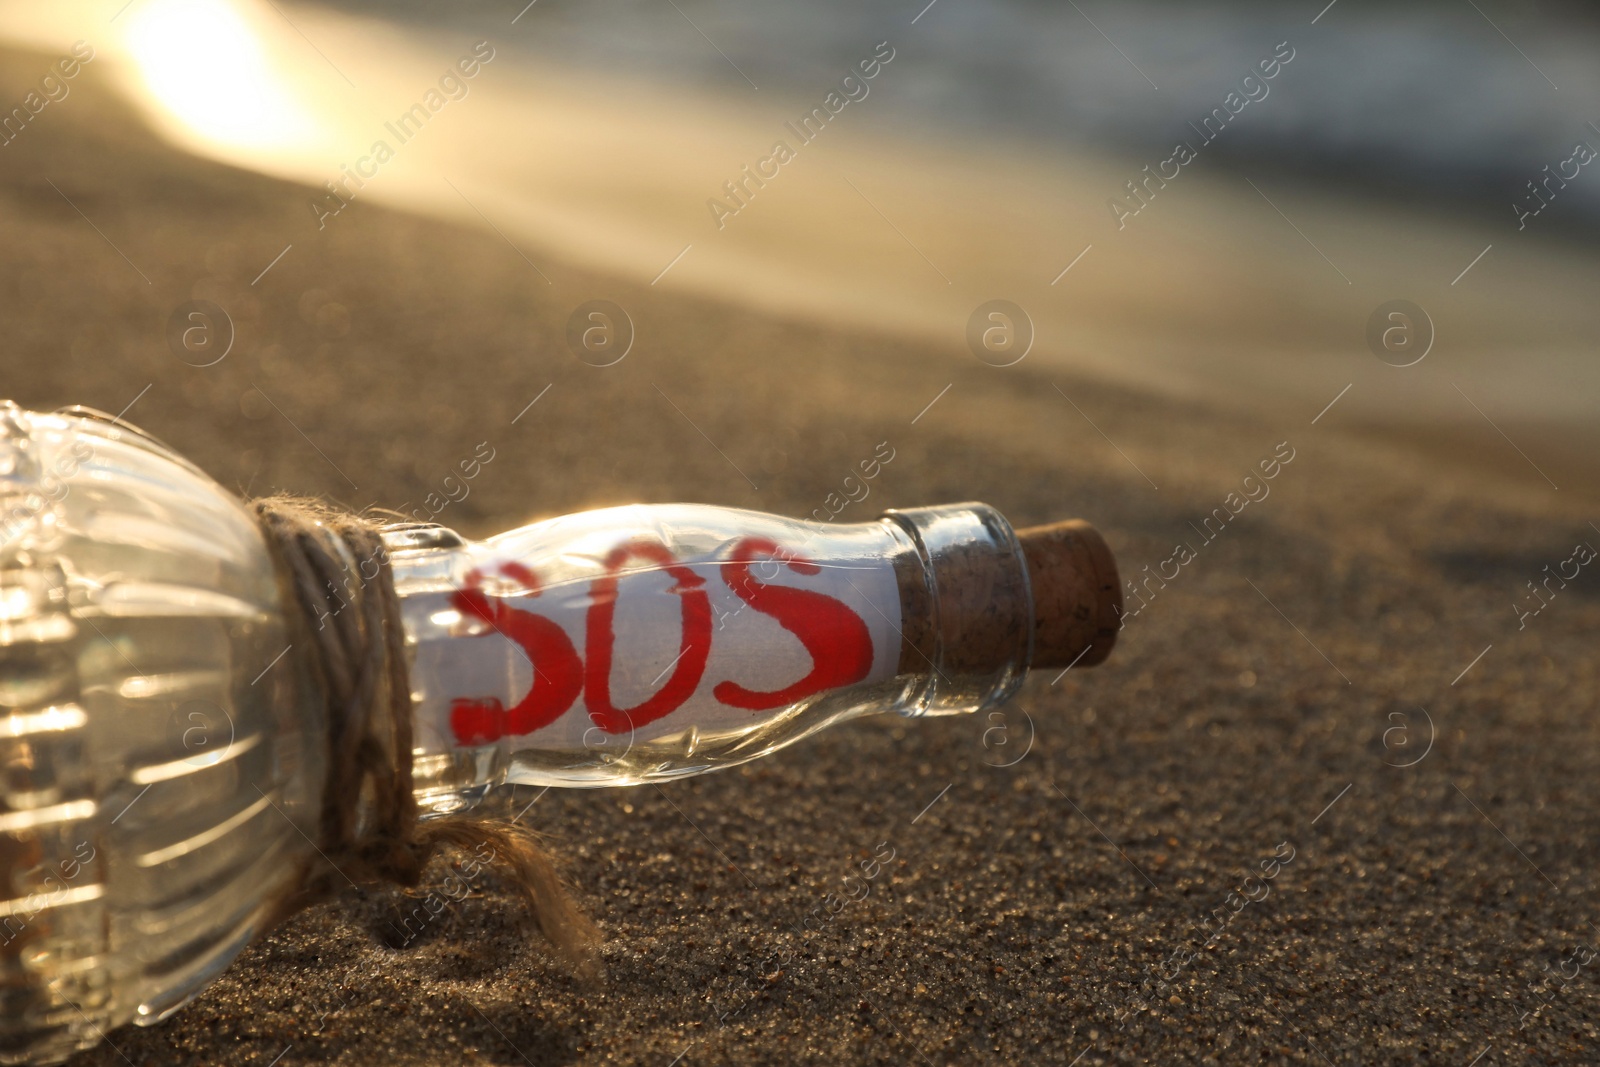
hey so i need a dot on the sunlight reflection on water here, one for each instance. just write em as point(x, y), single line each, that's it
point(205, 64)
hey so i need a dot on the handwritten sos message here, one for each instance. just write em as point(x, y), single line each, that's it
point(646, 636)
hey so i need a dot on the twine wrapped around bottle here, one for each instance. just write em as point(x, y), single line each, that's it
point(369, 828)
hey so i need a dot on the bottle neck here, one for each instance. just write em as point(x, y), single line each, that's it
point(649, 642)
point(966, 604)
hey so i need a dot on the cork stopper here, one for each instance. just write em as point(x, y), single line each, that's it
point(1077, 596)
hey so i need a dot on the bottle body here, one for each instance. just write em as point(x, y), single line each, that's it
point(155, 780)
point(654, 641)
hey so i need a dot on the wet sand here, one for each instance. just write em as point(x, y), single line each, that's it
point(1044, 911)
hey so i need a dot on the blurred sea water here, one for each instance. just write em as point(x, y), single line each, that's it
point(1456, 100)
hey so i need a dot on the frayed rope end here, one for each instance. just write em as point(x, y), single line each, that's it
point(573, 935)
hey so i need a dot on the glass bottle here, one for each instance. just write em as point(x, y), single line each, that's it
point(161, 739)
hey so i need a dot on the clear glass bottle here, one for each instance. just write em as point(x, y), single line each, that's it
point(162, 741)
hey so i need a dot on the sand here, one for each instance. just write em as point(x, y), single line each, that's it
point(1049, 910)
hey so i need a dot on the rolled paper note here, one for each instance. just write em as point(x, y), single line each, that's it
point(168, 746)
